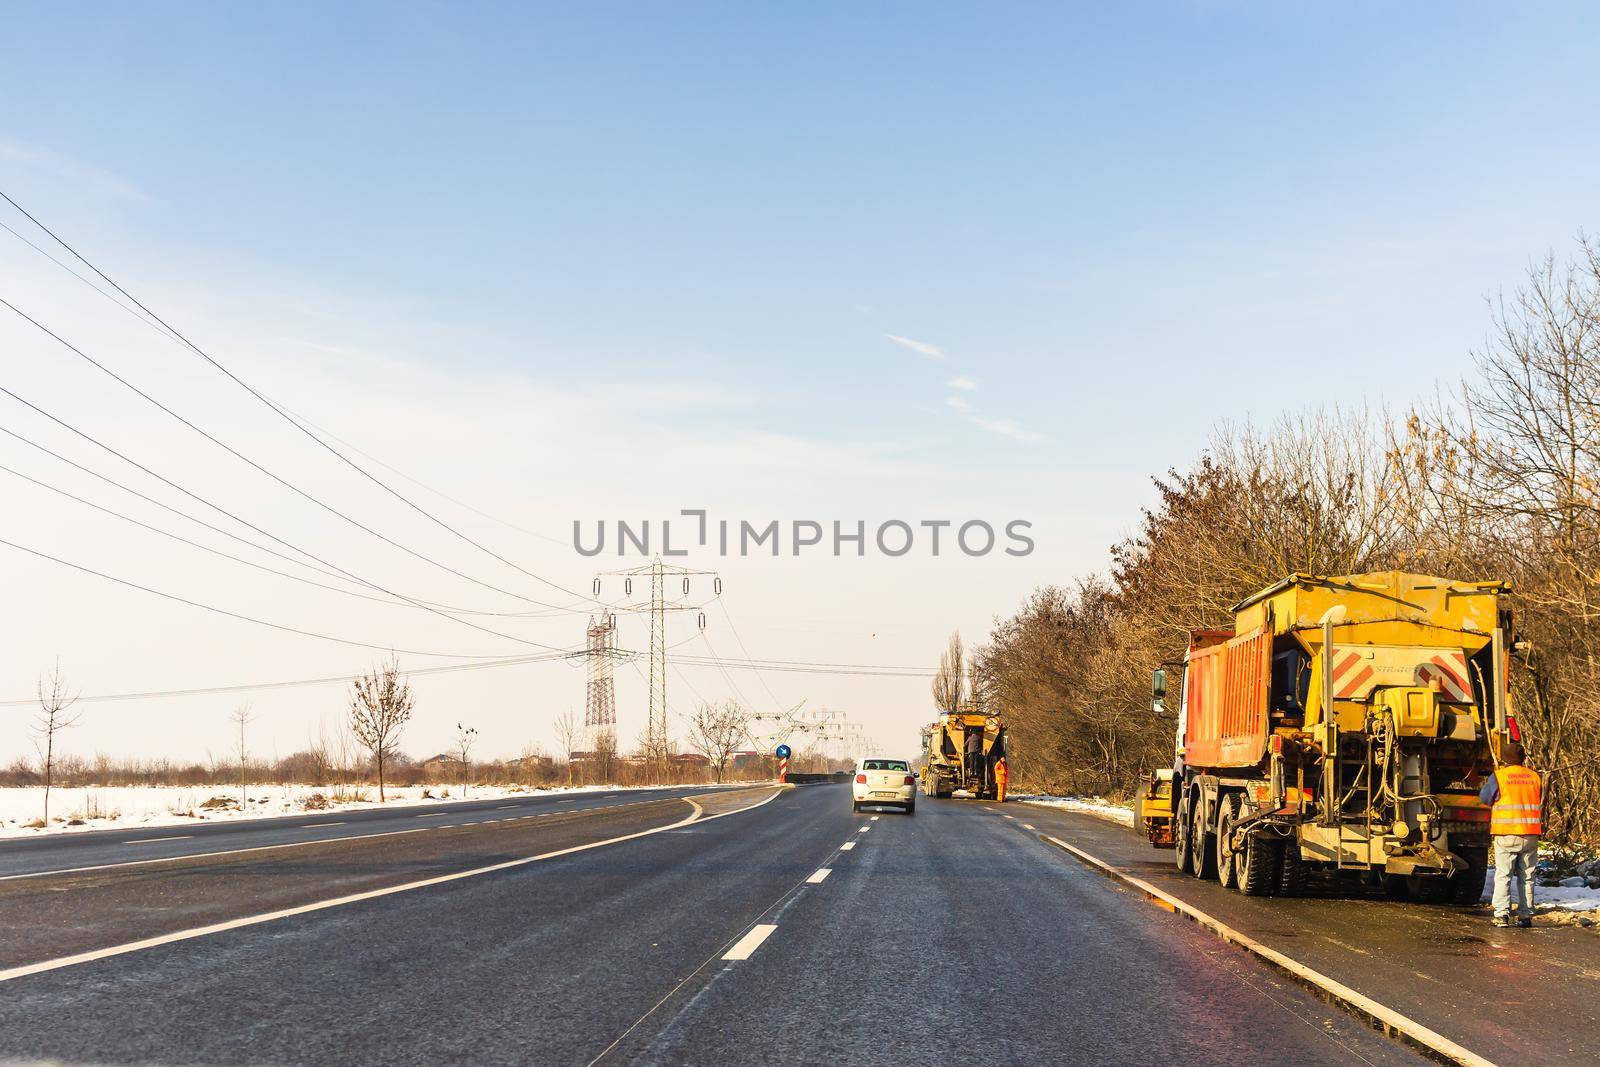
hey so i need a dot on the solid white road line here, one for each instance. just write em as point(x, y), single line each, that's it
point(696, 815)
point(819, 875)
point(153, 840)
point(1349, 997)
point(847, 846)
point(255, 848)
point(750, 942)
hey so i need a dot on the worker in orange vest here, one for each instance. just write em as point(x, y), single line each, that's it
point(1515, 794)
point(1001, 774)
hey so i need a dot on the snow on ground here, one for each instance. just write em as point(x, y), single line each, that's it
point(109, 808)
point(1100, 806)
point(1562, 903)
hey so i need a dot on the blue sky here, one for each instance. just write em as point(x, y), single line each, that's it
point(1119, 223)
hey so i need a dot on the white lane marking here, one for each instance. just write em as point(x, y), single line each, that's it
point(750, 942)
point(566, 802)
point(819, 875)
point(1028, 826)
point(432, 815)
point(873, 819)
point(503, 807)
point(1012, 817)
point(250, 848)
point(863, 830)
point(153, 840)
point(1361, 1003)
point(847, 846)
point(698, 815)
point(319, 825)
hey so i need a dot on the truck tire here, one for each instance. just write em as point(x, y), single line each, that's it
point(1430, 888)
point(1261, 866)
point(1183, 852)
point(1292, 880)
point(1227, 862)
point(1466, 887)
point(1201, 844)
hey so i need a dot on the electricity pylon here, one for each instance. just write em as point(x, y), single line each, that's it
point(656, 744)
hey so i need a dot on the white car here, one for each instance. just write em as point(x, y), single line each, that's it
point(884, 781)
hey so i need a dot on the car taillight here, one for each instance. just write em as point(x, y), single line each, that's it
point(861, 779)
point(911, 779)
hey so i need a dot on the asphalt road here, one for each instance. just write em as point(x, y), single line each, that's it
point(951, 936)
point(58, 852)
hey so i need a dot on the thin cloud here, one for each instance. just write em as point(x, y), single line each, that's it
point(1007, 428)
point(921, 348)
point(957, 402)
point(962, 382)
point(73, 171)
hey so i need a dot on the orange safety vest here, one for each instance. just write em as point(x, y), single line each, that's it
point(1001, 772)
point(1517, 811)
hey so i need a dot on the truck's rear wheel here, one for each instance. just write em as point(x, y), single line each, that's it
point(1292, 879)
point(1466, 887)
point(1181, 839)
point(1430, 888)
point(1227, 860)
point(1201, 843)
point(1260, 866)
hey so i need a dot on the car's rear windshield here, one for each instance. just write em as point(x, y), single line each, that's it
point(884, 765)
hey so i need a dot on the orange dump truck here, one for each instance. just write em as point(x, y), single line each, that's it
point(1344, 723)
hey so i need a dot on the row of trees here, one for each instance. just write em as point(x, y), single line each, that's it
point(364, 747)
point(1499, 479)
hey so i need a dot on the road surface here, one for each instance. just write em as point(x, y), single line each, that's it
point(751, 925)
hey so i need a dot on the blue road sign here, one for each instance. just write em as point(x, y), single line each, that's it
point(783, 751)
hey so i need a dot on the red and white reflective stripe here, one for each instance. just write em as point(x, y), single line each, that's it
point(1449, 672)
point(1347, 680)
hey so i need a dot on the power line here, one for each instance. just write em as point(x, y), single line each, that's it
point(223, 511)
point(505, 661)
point(280, 411)
point(207, 548)
point(232, 536)
point(119, 379)
point(232, 614)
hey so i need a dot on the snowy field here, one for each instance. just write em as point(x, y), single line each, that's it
point(109, 808)
point(1098, 806)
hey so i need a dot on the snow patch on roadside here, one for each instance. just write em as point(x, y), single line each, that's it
point(1556, 901)
point(1098, 806)
point(118, 807)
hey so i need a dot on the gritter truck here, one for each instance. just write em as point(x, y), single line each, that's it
point(960, 750)
point(1343, 724)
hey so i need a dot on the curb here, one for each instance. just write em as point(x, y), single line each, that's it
point(1385, 1019)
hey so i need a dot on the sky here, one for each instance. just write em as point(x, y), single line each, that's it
point(830, 262)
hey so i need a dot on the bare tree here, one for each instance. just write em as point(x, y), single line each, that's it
point(949, 685)
point(466, 737)
point(241, 718)
point(380, 707)
point(567, 733)
point(719, 730)
point(55, 715)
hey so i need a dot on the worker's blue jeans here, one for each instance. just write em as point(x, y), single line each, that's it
point(1515, 857)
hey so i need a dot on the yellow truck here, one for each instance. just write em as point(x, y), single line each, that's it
point(1344, 723)
point(959, 751)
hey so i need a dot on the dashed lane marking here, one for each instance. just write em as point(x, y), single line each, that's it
point(819, 875)
point(320, 825)
point(847, 846)
point(1028, 826)
point(750, 942)
point(432, 815)
point(153, 840)
point(696, 815)
point(873, 819)
point(863, 830)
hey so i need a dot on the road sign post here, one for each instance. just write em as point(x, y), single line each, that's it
point(783, 764)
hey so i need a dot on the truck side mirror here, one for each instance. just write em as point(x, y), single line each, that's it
point(1158, 685)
